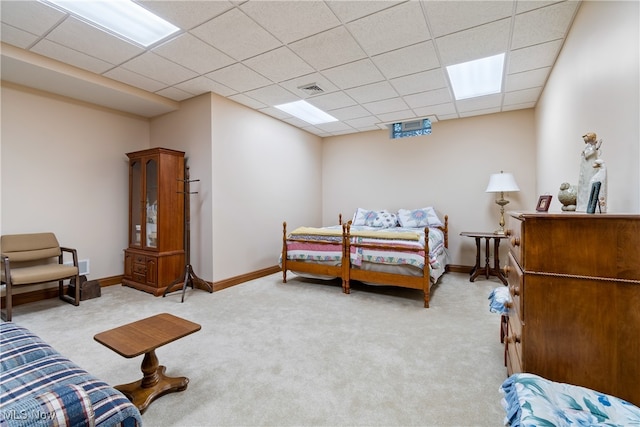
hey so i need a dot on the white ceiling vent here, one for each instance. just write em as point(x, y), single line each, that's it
point(311, 88)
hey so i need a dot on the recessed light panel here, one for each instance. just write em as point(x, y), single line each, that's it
point(477, 78)
point(123, 18)
point(307, 112)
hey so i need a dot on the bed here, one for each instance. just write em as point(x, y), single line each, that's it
point(407, 248)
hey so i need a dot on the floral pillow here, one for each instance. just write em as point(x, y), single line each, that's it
point(373, 218)
point(425, 217)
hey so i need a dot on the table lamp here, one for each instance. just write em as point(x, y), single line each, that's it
point(501, 183)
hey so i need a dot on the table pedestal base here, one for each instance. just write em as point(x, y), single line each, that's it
point(153, 385)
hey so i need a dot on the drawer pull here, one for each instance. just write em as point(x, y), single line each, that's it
point(506, 269)
point(514, 339)
point(515, 290)
point(508, 232)
point(515, 241)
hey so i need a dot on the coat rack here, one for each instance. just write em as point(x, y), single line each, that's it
point(189, 278)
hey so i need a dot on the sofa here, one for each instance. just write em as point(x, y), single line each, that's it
point(40, 387)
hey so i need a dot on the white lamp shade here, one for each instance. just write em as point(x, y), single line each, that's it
point(502, 182)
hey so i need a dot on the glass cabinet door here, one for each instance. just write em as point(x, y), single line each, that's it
point(136, 203)
point(151, 192)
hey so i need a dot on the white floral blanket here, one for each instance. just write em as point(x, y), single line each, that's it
point(533, 401)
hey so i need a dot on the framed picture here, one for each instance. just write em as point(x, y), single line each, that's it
point(593, 197)
point(543, 203)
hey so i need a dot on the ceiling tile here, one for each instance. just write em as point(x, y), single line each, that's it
point(31, 16)
point(245, 100)
point(350, 10)
point(194, 54)
point(87, 39)
point(447, 17)
point(432, 97)
point(202, 84)
point(352, 112)
point(479, 112)
point(328, 49)
point(354, 74)
point(175, 94)
point(159, 68)
point(543, 25)
point(397, 116)
point(420, 82)
point(279, 64)
point(291, 20)
point(479, 103)
point(272, 95)
point(186, 14)
point(134, 79)
point(528, 58)
point(363, 122)
point(70, 56)
point(372, 92)
point(239, 77)
point(391, 28)
point(334, 127)
point(527, 5)
point(522, 96)
point(331, 101)
point(408, 60)
point(526, 79)
point(446, 109)
point(386, 106)
point(16, 37)
point(479, 42)
point(236, 35)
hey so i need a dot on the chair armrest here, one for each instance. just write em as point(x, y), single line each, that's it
point(6, 268)
point(72, 251)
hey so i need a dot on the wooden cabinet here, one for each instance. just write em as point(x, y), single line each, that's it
point(155, 256)
point(574, 280)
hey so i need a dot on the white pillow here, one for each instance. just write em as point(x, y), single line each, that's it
point(373, 218)
point(425, 217)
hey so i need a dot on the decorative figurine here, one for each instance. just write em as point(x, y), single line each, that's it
point(590, 153)
point(568, 196)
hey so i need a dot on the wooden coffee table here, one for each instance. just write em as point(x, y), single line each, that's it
point(143, 337)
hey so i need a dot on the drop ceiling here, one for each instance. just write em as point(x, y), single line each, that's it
point(376, 62)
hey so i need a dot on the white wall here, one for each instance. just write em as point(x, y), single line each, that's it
point(264, 172)
point(255, 172)
point(448, 169)
point(594, 87)
point(189, 130)
point(64, 170)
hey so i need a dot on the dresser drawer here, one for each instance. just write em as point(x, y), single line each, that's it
point(515, 278)
point(140, 259)
point(513, 344)
point(514, 231)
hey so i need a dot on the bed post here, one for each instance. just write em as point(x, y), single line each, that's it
point(346, 259)
point(426, 276)
point(284, 252)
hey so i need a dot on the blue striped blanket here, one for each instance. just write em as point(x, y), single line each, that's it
point(40, 387)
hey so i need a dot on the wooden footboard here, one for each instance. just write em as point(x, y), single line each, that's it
point(400, 280)
point(309, 266)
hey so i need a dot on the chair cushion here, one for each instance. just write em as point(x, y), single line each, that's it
point(40, 273)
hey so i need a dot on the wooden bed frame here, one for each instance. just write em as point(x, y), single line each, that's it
point(347, 272)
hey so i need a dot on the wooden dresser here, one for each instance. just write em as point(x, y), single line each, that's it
point(574, 280)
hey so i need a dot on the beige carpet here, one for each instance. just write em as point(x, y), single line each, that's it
point(303, 354)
